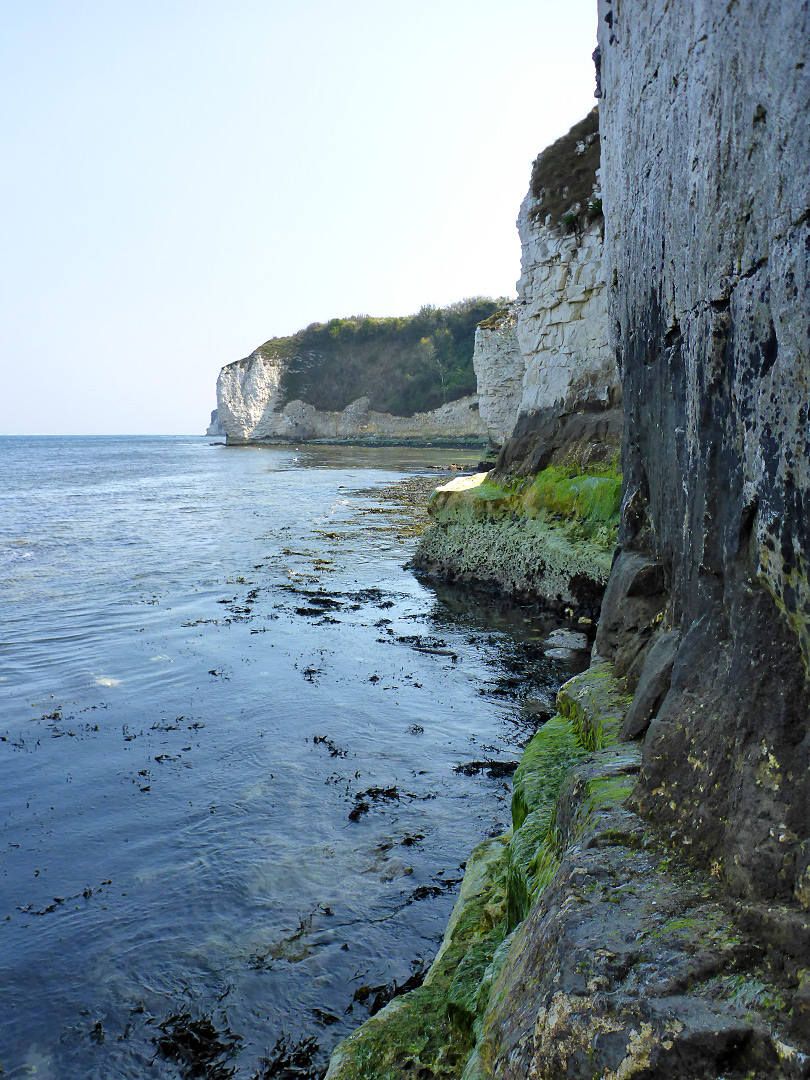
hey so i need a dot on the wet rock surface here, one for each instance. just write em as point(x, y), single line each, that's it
point(714, 347)
point(630, 964)
point(554, 435)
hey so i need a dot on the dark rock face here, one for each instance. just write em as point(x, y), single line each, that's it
point(631, 965)
point(632, 609)
point(653, 684)
point(706, 173)
point(559, 436)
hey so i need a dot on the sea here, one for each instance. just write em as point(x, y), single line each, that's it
point(245, 750)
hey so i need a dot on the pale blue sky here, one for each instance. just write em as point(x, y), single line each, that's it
point(183, 179)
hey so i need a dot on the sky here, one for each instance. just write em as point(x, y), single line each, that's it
point(183, 179)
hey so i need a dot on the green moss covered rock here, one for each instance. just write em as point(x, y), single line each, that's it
point(552, 536)
point(432, 1027)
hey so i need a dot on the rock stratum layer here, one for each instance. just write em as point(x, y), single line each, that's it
point(549, 392)
point(499, 369)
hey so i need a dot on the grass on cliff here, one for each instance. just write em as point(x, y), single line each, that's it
point(561, 177)
point(404, 365)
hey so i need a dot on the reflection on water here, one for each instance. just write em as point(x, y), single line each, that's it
point(245, 752)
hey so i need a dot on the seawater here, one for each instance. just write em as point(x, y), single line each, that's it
point(233, 820)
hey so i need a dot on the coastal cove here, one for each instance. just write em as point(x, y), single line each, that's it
point(450, 719)
point(247, 753)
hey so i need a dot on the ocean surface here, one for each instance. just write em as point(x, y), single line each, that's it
point(231, 726)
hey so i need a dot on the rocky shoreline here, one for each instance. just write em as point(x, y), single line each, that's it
point(550, 537)
point(477, 442)
point(582, 941)
point(648, 914)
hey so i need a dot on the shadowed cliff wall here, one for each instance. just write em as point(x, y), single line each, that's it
point(705, 173)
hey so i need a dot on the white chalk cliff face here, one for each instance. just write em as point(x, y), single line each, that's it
point(499, 369)
point(551, 348)
point(247, 397)
point(250, 408)
point(562, 323)
point(214, 426)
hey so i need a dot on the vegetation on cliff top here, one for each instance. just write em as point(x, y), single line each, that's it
point(563, 176)
point(404, 365)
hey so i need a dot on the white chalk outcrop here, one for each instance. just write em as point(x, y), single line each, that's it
point(499, 369)
point(550, 350)
point(546, 369)
point(214, 426)
point(562, 323)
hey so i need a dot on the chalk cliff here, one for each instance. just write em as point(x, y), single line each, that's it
point(499, 369)
point(400, 379)
point(214, 426)
point(251, 408)
point(547, 376)
point(704, 624)
point(648, 914)
point(569, 410)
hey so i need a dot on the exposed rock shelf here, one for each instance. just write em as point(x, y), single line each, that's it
point(551, 537)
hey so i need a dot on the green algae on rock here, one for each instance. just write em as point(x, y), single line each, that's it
point(552, 536)
point(581, 946)
point(431, 1027)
